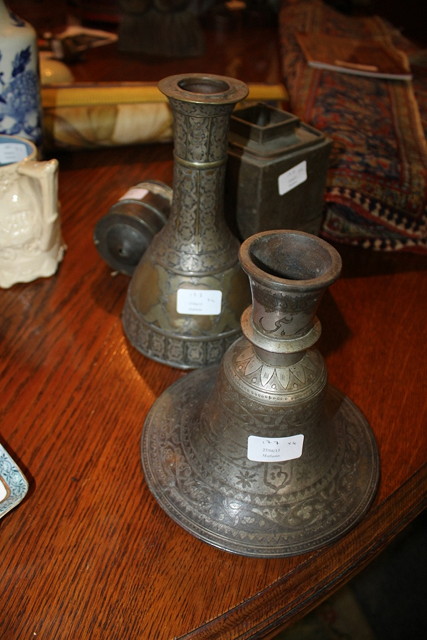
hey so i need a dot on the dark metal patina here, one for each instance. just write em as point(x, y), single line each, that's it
point(195, 251)
point(124, 233)
point(271, 386)
point(276, 174)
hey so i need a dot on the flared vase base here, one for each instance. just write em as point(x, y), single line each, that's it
point(181, 352)
point(227, 512)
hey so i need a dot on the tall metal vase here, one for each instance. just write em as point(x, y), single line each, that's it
point(187, 294)
point(261, 456)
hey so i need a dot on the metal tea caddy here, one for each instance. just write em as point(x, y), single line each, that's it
point(123, 234)
point(260, 456)
point(276, 173)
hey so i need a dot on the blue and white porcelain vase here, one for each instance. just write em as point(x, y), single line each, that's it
point(20, 101)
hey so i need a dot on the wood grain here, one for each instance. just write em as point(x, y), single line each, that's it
point(89, 553)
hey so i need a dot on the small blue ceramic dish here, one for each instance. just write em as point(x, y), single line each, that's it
point(13, 484)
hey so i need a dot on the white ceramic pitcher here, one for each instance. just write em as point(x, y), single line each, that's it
point(31, 244)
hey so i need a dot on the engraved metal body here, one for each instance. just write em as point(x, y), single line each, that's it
point(261, 456)
point(195, 251)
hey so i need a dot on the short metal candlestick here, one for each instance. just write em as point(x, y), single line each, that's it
point(261, 456)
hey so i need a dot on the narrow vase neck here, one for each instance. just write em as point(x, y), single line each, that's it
point(200, 156)
point(201, 106)
point(289, 271)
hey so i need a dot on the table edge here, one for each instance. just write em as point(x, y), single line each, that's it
point(381, 524)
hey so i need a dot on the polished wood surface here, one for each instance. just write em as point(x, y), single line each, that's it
point(229, 53)
point(89, 553)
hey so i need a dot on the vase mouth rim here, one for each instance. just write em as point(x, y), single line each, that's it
point(15, 149)
point(203, 88)
point(291, 259)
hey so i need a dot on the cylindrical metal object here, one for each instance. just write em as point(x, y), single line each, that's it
point(187, 294)
point(261, 456)
point(124, 233)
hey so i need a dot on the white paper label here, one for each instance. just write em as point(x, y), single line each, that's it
point(199, 302)
point(136, 193)
point(275, 449)
point(292, 178)
point(12, 152)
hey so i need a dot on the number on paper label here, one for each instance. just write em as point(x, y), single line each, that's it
point(292, 178)
point(199, 302)
point(275, 449)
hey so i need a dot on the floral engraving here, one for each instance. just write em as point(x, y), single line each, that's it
point(255, 509)
point(245, 479)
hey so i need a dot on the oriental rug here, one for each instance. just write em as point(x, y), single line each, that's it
point(376, 194)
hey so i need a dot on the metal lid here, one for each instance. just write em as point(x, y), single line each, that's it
point(124, 233)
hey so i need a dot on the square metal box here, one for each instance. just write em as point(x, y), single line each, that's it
point(276, 172)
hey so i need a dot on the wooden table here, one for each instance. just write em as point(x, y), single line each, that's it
point(89, 553)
